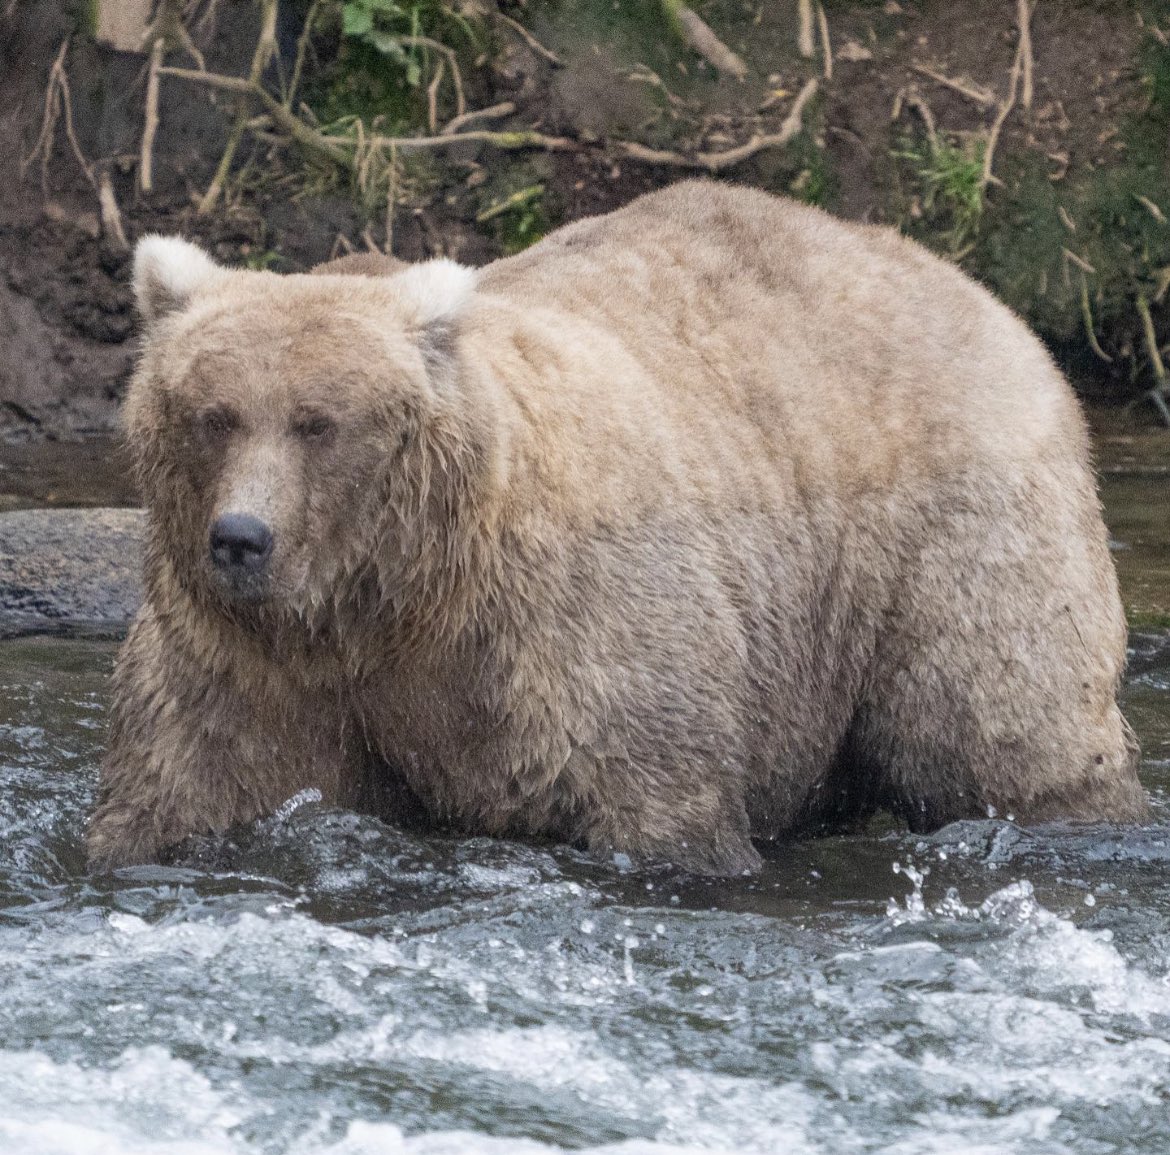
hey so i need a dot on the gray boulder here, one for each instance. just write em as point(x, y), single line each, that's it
point(70, 570)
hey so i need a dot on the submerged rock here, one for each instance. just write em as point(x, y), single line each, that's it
point(70, 570)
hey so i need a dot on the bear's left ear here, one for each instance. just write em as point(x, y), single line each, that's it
point(167, 271)
point(435, 292)
point(435, 295)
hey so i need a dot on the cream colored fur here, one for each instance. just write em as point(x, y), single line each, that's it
point(711, 520)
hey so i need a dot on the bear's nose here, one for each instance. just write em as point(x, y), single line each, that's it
point(240, 541)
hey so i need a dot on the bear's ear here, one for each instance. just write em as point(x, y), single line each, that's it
point(435, 295)
point(167, 270)
point(435, 292)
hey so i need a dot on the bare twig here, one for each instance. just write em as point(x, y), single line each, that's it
point(452, 60)
point(509, 141)
point(205, 24)
point(1161, 284)
point(516, 200)
point(1004, 111)
point(58, 106)
point(341, 244)
point(111, 216)
point(700, 38)
point(1158, 394)
point(335, 149)
point(529, 39)
point(302, 49)
point(826, 46)
point(644, 74)
point(1087, 317)
point(718, 161)
point(391, 200)
point(433, 97)
point(1079, 261)
point(805, 39)
point(980, 96)
point(912, 98)
point(263, 53)
point(150, 119)
point(1024, 10)
point(495, 112)
point(168, 26)
point(794, 120)
point(1151, 208)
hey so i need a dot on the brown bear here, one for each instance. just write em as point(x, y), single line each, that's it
point(710, 520)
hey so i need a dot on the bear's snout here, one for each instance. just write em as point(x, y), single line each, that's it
point(240, 544)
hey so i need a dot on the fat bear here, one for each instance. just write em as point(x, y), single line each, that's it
point(693, 527)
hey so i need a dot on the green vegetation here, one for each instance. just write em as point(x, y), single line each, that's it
point(387, 56)
point(1070, 224)
point(951, 180)
point(520, 218)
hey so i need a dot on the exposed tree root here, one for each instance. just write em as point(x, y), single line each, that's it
point(911, 98)
point(110, 214)
point(494, 112)
point(529, 39)
point(1161, 390)
point(433, 98)
point(1021, 71)
point(261, 56)
point(1024, 10)
point(58, 110)
point(302, 49)
point(826, 46)
point(1087, 317)
point(714, 162)
point(352, 152)
point(700, 38)
point(150, 119)
point(804, 40)
point(1004, 111)
point(452, 60)
point(972, 92)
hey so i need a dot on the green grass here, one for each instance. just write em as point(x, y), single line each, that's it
point(949, 177)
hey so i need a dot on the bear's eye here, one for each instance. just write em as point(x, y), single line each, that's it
point(312, 426)
point(216, 423)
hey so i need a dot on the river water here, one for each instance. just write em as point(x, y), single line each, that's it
point(324, 983)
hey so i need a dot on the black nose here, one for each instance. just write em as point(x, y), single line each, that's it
point(240, 541)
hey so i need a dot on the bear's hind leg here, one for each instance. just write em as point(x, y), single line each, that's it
point(994, 683)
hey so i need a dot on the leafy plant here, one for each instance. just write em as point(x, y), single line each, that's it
point(394, 29)
point(951, 177)
point(520, 218)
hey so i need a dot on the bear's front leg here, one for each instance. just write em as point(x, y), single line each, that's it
point(196, 747)
point(686, 815)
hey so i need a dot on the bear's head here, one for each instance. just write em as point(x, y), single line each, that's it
point(291, 432)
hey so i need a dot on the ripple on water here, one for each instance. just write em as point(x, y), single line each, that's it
point(322, 983)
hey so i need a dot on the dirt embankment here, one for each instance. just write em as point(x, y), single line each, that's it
point(910, 98)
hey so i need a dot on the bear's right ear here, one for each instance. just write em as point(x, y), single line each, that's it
point(167, 270)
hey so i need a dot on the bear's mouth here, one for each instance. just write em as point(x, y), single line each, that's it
point(241, 586)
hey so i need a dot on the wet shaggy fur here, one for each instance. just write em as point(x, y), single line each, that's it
point(708, 521)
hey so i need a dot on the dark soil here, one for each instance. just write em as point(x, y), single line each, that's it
point(65, 307)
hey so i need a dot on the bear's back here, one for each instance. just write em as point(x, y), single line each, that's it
point(859, 348)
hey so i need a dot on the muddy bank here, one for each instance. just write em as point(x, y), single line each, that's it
point(1070, 231)
point(69, 571)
